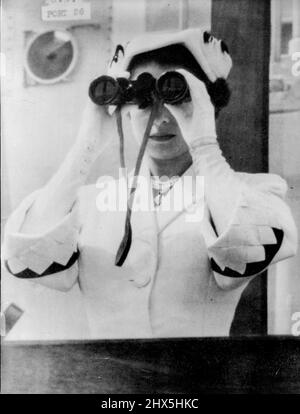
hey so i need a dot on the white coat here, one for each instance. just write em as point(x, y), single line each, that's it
point(166, 287)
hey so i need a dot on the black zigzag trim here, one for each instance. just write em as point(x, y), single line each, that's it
point(256, 267)
point(53, 268)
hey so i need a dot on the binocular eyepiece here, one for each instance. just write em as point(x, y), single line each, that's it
point(171, 88)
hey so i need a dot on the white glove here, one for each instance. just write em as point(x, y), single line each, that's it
point(98, 126)
point(196, 119)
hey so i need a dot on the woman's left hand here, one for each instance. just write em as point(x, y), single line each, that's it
point(196, 119)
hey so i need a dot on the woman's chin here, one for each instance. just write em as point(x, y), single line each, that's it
point(164, 153)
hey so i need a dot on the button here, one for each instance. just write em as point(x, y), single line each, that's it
point(141, 281)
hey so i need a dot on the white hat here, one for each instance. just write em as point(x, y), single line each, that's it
point(209, 52)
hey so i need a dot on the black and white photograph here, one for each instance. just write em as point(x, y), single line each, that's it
point(150, 154)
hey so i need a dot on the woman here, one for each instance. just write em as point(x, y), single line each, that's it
point(182, 276)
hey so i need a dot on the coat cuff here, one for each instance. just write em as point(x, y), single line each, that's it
point(252, 238)
point(39, 254)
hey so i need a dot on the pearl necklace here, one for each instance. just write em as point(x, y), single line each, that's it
point(161, 188)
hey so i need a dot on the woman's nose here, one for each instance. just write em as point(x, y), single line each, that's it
point(163, 115)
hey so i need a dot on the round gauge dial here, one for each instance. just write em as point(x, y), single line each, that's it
point(51, 56)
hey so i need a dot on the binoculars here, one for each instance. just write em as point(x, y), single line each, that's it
point(171, 88)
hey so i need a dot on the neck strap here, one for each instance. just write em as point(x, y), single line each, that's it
point(127, 238)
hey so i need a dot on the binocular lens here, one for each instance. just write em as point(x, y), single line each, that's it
point(172, 87)
point(103, 90)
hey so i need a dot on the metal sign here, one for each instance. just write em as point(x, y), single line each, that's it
point(55, 10)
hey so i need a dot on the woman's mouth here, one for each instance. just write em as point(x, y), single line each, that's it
point(162, 137)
